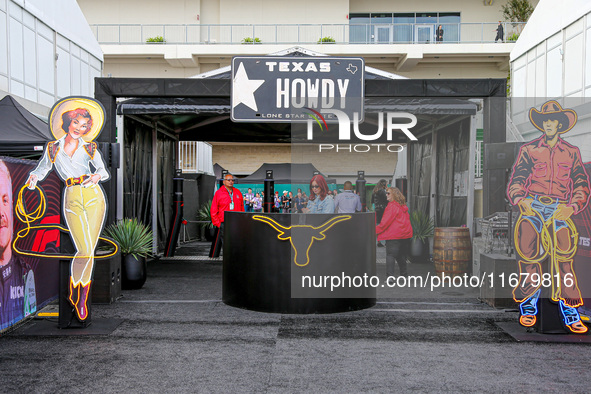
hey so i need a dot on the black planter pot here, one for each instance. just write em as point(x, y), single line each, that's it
point(134, 272)
point(419, 250)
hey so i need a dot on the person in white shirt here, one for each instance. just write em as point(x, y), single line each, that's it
point(75, 122)
point(347, 202)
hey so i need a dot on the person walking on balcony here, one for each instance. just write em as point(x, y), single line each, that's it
point(500, 32)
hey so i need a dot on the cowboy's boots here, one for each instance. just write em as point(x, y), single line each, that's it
point(528, 310)
point(572, 319)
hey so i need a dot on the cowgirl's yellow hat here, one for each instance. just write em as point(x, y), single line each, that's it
point(96, 110)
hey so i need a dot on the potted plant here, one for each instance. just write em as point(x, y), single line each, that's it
point(422, 229)
point(135, 243)
point(204, 216)
point(250, 40)
point(156, 40)
point(327, 40)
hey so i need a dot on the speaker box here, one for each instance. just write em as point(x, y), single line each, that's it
point(106, 284)
point(501, 156)
point(497, 294)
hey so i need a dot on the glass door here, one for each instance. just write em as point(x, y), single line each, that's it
point(383, 34)
point(424, 34)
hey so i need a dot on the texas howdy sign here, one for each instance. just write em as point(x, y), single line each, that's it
point(271, 89)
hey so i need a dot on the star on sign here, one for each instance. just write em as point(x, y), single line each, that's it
point(244, 89)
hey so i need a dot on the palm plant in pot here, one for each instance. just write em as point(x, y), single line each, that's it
point(422, 229)
point(204, 216)
point(135, 243)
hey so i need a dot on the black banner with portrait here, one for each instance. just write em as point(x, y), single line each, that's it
point(27, 282)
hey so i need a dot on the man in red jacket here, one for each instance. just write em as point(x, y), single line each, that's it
point(227, 198)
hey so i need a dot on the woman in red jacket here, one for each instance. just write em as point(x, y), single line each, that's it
point(396, 230)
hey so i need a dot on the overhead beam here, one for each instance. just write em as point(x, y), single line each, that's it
point(409, 61)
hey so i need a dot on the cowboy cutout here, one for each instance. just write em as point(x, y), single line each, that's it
point(549, 184)
point(75, 122)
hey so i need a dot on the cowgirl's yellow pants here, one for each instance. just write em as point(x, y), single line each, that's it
point(84, 210)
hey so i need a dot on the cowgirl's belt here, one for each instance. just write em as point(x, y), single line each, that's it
point(76, 181)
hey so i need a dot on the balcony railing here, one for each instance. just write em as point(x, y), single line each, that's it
point(399, 33)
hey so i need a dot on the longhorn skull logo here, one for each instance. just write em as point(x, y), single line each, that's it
point(301, 237)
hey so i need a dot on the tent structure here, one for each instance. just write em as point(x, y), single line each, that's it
point(198, 109)
point(218, 171)
point(21, 132)
point(285, 173)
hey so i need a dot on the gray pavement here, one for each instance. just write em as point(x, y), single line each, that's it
point(177, 336)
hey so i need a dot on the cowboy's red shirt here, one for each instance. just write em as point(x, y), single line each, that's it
point(555, 172)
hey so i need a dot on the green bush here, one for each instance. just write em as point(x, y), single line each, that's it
point(327, 40)
point(422, 225)
point(250, 40)
point(204, 215)
point(513, 37)
point(132, 236)
point(156, 39)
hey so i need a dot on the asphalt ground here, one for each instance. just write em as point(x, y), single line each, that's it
point(176, 335)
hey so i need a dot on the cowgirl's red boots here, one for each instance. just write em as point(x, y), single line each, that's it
point(78, 297)
point(74, 293)
point(81, 308)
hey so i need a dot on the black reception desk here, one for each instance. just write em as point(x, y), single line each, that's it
point(291, 263)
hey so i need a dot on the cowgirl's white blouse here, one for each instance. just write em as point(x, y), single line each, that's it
point(71, 167)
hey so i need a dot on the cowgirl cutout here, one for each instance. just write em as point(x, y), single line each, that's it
point(75, 122)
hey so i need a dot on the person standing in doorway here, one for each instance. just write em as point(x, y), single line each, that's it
point(227, 198)
point(439, 34)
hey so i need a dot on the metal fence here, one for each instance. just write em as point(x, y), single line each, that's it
point(412, 33)
point(479, 160)
point(195, 157)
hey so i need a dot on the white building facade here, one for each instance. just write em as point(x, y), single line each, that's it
point(47, 51)
point(552, 60)
point(395, 36)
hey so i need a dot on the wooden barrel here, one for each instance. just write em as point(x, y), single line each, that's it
point(452, 251)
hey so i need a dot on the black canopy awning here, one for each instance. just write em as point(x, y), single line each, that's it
point(202, 118)
point(20, 130)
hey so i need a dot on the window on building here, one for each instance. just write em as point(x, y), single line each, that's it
point(409, 27)
point(359, 25)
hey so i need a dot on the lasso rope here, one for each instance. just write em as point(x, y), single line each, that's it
point(30, 217)
point(549, 244)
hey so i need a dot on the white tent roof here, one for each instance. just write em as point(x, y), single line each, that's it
point(549, 17)
point(65, 17)
point(305, 51)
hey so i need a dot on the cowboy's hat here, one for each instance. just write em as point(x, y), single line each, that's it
point(553, 110)
point(96, 110)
